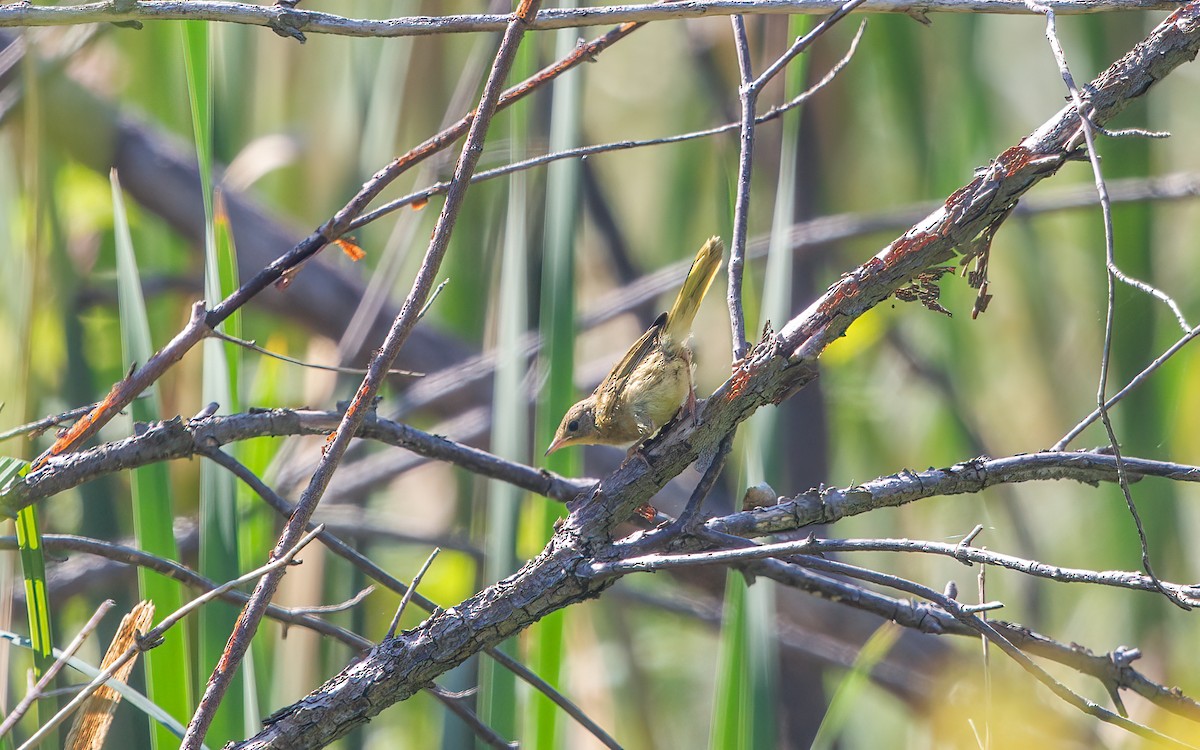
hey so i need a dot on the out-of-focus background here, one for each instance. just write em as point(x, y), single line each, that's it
point(301, 127)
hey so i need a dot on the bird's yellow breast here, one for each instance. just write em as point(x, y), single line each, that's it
point(650, 396)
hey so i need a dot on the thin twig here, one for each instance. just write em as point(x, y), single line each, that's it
point(802, 43)
point(287, 616)
point(127, 389)
point(429, 302)
point(342, 606)
point(662, 536)
point(1114, 274)
point(748, 91)
point(557, 698)
point(1113, 669)
point(252, 346)
point(581, 152)
point(934, 620)
point(986, 654)
point(339, 223)
point(1134, 382)
point(404, 600)
point(38, 426)
point(459, 708)
point(961, 613)
point(134, 384)
point(965, 554)
point(48, 676)
point(748, 97)
point(286, 509)
point(154, 636)
point(691, 511)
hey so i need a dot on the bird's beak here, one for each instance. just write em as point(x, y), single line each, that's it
point(558, 443)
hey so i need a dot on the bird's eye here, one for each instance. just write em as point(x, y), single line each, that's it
point(573, 425)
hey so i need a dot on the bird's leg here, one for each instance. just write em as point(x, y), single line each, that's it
point(645, 430)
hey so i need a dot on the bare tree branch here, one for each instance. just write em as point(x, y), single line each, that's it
point(188, 577)
point(964, 553)
point(179, 439)
point(295, 22)
point(807, 235)
point(1113, 275)
point(585, 151)
point(567, 569)
point(1114, 670)
point(1134, 382)
point(141, 378)
point(748, 99)
point(966, 617)
point(828, 504)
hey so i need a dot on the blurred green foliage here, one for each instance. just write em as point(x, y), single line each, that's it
point(917, 110)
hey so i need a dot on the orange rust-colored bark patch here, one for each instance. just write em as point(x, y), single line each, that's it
point(76, 433)
point(1013, 159)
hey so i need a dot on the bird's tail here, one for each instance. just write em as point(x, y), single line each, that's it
point(695, 286)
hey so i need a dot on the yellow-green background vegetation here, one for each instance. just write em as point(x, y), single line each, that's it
point(915, 112)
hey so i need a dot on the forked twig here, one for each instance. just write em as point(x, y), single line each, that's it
point(1114, 274)
point(39, 687)
point(154, 636)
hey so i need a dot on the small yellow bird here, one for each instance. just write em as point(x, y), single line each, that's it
point(645, 389)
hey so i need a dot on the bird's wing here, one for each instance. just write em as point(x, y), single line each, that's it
point(610, 390)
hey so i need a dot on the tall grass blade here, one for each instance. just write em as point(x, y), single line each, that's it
point(732, 697)
point(168, 668)
point(546, 638)
point(37, 602)
point(846, 697)
point(22, 397)
point(33, 569)
point(218, 490)
point(509, 422)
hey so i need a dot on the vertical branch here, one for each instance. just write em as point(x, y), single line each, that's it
point(1113, 275)
point(748, 90)
point(748, 94)
point(239, 640)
